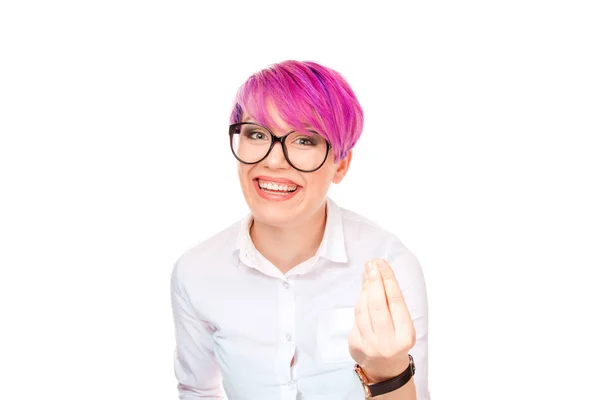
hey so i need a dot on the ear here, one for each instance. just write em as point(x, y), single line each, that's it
point(342, 168)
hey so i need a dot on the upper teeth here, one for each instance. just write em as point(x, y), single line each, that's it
point(284, 187)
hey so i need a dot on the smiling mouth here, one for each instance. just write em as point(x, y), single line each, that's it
point(274, 187)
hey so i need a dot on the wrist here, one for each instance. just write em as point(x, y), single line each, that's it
point(381, 375)
point(380, 382)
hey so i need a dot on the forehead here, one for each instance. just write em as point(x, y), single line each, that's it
point(275, 120)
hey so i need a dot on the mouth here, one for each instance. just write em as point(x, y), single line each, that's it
point(282, 188)
point(275, 189)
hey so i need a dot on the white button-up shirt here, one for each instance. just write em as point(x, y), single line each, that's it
point(239, 321)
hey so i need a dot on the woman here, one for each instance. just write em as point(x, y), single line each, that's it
point(302, 298)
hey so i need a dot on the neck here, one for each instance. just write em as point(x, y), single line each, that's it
point(287, 246)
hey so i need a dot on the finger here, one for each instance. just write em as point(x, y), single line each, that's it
point(383, 325)
point(362, 316)
point(398, 310)
point(354, 338)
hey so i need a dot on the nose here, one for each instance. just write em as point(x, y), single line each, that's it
point(276, 158)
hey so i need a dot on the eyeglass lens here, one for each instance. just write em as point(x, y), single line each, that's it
point(305, 150)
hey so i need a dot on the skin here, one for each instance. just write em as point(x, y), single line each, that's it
point(287, 224)
point(383, 331)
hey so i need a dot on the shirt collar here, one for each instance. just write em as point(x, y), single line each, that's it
point(332, 247)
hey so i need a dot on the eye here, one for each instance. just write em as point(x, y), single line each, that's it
point(305, 141)
point(256, 135)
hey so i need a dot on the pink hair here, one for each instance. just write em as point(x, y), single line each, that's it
point(304, 93)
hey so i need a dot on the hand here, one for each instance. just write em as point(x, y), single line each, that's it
point(383, 330)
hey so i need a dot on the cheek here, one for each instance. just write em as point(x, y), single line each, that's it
point(243, 170)
point(321, 180)
point(243, 173)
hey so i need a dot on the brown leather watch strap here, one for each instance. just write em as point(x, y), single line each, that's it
point(377, 389)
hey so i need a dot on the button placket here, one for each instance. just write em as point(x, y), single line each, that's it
point(287, 329)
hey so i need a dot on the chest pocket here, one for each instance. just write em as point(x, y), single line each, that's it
point(333, 328)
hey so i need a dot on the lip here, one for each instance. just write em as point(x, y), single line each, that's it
point(276, 180)
point(271, 196)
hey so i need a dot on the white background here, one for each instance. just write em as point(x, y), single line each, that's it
point(480, 151)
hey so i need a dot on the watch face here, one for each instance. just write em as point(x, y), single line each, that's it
point(361, 375)
point(363, 381)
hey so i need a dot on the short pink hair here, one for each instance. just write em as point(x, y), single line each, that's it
point(304, 93)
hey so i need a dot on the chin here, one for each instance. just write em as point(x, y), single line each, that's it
point(274, 212)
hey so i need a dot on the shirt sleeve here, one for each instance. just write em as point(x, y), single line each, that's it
point(196, 368)
point(409, 275)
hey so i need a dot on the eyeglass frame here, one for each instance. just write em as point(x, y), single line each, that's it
point(275, 139)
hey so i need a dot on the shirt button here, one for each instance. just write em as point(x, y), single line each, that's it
point(288, 337)
point(286, 285)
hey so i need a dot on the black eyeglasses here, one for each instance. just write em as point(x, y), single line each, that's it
point(251, 143)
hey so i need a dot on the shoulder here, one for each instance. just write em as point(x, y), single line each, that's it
point(360, 231)
point(214, 251)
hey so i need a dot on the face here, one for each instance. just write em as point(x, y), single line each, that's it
point(297, 196)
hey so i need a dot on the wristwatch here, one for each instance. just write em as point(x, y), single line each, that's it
point(377, 389)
